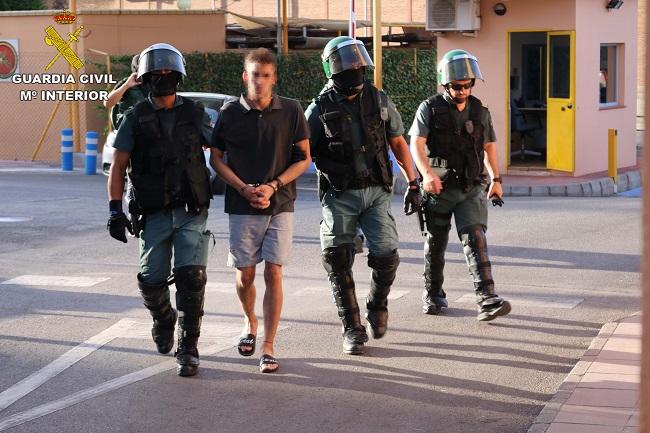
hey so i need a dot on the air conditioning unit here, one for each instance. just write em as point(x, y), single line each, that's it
point(453, 15)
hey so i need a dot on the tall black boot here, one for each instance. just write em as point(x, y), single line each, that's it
point(383, 275)
point(190, 291)
point(490, 305)
point(156, 299)
point(434, 298)
point(338, 261)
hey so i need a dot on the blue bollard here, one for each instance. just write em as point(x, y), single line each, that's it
point(66, 149)
point(91, 152)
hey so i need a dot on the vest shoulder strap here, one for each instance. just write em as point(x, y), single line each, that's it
point(382, 102)
point(475, 110)
point(144, 112)
point(437, 105)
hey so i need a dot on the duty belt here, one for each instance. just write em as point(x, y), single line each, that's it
point(360, 183)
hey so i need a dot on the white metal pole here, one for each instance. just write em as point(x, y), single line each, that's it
point(376, 42)
point(352, 28)
point(279, 29)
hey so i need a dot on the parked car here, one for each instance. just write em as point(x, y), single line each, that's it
point(212, 102)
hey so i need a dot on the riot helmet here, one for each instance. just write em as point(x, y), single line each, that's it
point(344, 61)
point(158, 57)
point(458, 65)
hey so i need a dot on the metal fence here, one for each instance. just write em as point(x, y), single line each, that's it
point(30, 124)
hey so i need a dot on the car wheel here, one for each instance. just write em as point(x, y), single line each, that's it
point(218, 186)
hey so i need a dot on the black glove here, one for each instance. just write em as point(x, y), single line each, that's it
point(118, 222)
point(496, 200)
point(117, 225)
point(297, 154)
point(412, 200)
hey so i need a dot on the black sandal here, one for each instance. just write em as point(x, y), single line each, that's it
point(266, 361)
point(247, 341)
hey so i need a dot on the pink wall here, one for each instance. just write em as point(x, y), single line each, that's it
point(129, 32)
point(593, 25)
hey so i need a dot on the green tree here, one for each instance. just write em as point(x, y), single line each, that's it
point(21, 5)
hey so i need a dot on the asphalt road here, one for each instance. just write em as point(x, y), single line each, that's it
point(76, 354)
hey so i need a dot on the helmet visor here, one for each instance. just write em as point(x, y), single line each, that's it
point(349, 55)
point(158, 59)
point(463, 67)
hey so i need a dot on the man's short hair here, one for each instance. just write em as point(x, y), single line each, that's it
point(262, 56)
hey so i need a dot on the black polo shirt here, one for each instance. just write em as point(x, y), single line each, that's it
point(258, 146)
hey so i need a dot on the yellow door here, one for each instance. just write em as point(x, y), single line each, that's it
point(560, 118)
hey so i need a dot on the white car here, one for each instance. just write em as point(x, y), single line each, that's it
point(212, 102)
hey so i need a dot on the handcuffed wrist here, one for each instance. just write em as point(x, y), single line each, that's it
point(275, 188)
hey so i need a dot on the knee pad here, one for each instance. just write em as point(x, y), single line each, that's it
point(155, 296)
point(476, 254)
point(386, 264)
point(338, 259)
point(147, 288)
point(473, 238)
point(190, 278)
point(190, 291)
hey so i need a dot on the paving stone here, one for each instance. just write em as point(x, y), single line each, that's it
point(574, 190)
point(539, 190)
point(538, 428)
point(558, 190)
point(586, 189)
point(634, 179)
point(520, 191)
point(596, 188)
point(607, 186)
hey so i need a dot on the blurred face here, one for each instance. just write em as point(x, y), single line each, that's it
point(459, 90)
point(259, 79)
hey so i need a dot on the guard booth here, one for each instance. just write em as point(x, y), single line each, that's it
point(558, 75)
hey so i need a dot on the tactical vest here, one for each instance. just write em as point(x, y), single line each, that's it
point(335, 158)
point(169, 171)
point(461, 149)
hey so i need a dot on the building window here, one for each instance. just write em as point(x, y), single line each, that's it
point(608, 82)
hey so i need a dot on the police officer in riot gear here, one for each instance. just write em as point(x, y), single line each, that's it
point(453, 141)
point(126, 93)
point(352, 126)
point(159, 144)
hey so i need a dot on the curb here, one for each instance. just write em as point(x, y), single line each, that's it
point(548, 413)
point(602, 187)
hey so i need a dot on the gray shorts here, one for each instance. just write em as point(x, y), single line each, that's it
point(254, 238)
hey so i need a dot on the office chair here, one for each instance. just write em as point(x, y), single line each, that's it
point(525, 127)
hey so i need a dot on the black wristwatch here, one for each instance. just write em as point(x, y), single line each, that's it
point(497, 179)
point(414, 184)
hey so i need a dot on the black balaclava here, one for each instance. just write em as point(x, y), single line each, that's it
point(349, 82)
point(164, 85)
